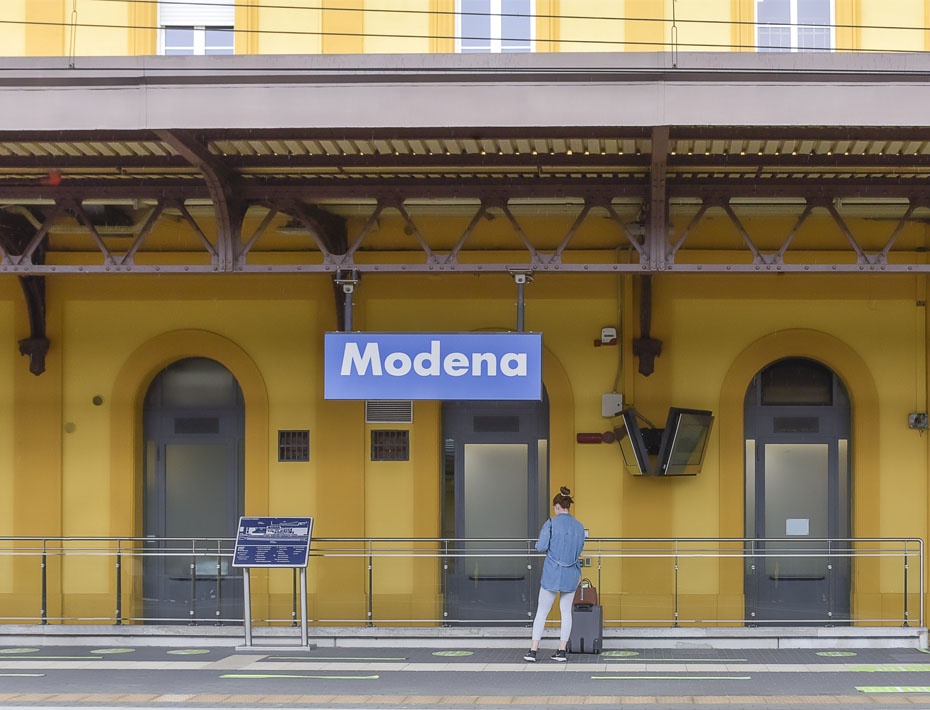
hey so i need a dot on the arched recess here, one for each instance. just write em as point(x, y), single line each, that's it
point(851, 368)
point(129, 390)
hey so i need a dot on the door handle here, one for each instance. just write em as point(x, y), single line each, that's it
point(795, 578)
point(495, 577)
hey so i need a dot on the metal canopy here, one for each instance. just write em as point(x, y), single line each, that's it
point(655, 185)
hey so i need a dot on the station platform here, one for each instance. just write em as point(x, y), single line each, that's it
point(131, 675)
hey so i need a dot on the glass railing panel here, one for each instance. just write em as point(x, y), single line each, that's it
point(491, 582)
point(337, 579)
point(184, 581)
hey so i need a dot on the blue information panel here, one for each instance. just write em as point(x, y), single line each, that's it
point(273, 542)
point(487, 366)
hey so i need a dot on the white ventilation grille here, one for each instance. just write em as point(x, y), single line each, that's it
point(389, 411)
point(203, 13)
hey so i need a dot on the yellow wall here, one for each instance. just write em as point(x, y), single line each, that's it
point(70, 467)
point(356, 26)
point(7, 427)
point(105, 323)
point(13, 37)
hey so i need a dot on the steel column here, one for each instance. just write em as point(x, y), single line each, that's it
point(657, 213)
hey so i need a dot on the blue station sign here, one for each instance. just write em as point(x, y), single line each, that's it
point(273, 542)
point(484, 366)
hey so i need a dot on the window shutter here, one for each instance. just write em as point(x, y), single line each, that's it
point(206, 13)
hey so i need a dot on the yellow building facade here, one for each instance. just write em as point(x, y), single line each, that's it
point(39, 28)
point(677, 235)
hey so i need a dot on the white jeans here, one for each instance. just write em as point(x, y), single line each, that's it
point(542, 611)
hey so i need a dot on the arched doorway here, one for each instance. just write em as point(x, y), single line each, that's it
point(495, 485)
point(797, 424)
point(193, 487)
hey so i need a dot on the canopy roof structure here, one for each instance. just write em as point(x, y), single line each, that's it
point(104, 151)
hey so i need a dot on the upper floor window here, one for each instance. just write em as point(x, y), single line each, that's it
point(796, 25)
point(202, 27)
point(485, 26)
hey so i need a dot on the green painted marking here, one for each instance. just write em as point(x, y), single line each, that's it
point(453, 653)
point(619, 653)
point(899, 668)
point(835, 653)
point(18, 650)
point(113, 650)
point(670, 677)
point(923, 650)
point(317, 677)
point(22, 675)
point(57, 658)
point(893, 688)
point(682, 660)
point(334, 658)
point(189, 651)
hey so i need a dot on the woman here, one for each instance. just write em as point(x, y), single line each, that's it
point(561, 538)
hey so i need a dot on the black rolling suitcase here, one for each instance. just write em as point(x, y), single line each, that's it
point(587, 629)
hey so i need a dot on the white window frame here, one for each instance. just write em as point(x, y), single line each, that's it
point(496, 43)
point(198, 17)
point(200, 38)
point(793, 29)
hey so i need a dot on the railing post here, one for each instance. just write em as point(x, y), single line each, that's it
point(371, 590)
point(44, 611)
point(905, 584)
point(752, 594)
point(920, 548)
point(219, 583)
point(293, 597)
point(444, 582)
point(193, 604)
point(529, 579)
point(829, 582)
point(676, 585)
point(119, 584)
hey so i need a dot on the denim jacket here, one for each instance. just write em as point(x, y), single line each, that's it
point(562, 539)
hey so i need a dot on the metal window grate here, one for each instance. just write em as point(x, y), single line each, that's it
point(294, 445)
point(389, 411)
point(390, 445)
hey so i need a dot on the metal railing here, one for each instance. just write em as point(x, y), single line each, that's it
point(457, 581)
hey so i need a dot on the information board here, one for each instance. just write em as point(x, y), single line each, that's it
point(273, 542)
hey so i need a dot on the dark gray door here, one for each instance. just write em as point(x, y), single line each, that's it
point(193, 425)
point(797, 424)
point(496, 483)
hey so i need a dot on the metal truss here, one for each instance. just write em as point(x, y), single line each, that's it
point(656, 175)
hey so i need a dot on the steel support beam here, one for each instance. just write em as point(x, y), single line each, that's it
point(18, 237)
point(657, 244)
point(229, 206)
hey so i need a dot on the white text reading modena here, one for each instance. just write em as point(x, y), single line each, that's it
point(427, 364)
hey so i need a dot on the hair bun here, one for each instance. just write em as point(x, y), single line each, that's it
point(565, 491)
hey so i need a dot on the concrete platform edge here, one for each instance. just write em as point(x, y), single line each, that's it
point(477, 637)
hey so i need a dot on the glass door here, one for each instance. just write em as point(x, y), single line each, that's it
point(496, 473)
point(797, 423)
point(193, 488)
